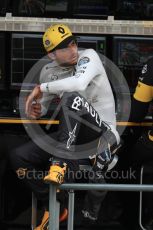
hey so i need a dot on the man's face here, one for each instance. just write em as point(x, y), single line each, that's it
point(67, 56)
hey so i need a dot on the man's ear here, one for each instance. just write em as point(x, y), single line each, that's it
point(52, 56)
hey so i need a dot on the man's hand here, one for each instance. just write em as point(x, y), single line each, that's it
point(32, 108)
point(103, 159)
point(35, 111)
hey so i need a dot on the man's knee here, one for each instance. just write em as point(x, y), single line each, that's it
point(71, 98)
point(75, 102)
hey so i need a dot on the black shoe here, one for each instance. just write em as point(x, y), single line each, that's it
point(87, 220)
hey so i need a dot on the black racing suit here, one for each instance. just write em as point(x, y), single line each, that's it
point(142, 98)
point(78, 135)
point(142, 153)
point(76, 138)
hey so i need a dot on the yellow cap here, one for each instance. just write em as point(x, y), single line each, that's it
point(57, 36)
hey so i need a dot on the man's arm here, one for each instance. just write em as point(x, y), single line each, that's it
point(143, 94)
point(139, 110)
point(87, 69)
point(89, 65)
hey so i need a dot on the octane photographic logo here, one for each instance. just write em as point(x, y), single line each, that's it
point(41, 135)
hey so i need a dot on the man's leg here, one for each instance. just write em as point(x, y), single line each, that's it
point(30, 163)
point(80, 126)
point(84, 125)
point(93, 200)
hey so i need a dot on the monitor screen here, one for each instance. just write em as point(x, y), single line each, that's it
point(40, 8)
point(93, 8)
point(134, 10)
point(26, 50)
point(130, 54)
point(94, 42)
point(121, 9)
point(2, 60)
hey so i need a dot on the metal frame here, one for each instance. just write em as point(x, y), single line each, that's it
point(72, 187)
point(71, 210)
point(54, 205)
point(34, 212)
point(140, 200)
